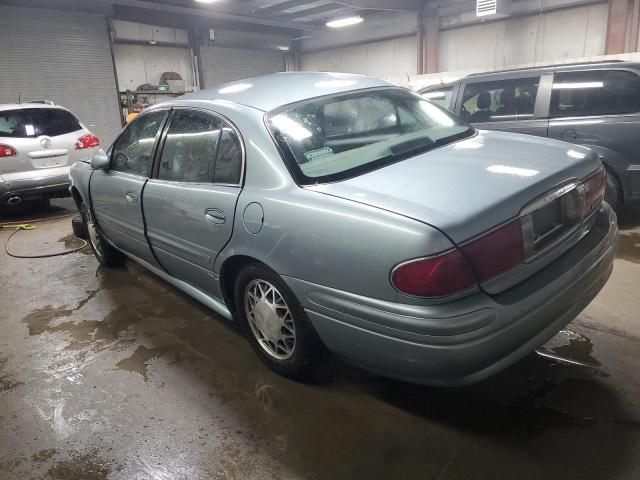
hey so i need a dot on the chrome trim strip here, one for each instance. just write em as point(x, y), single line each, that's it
point(548, 198)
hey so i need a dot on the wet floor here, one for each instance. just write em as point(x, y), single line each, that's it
point(113, 374)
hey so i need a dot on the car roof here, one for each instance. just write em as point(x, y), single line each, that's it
point(20, 106)
point(268, 92)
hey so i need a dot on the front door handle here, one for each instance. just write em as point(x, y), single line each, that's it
point(131, 197)
point(215, 215)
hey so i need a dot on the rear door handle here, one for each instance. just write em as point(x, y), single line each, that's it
point(215, 215)
point(131, 197)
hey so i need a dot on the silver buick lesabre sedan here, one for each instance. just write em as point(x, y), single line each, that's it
point(340, 213)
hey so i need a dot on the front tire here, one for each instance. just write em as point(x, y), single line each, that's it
point(275, 323)
point(107, 255)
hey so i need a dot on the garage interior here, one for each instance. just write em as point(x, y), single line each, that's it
point(115, 374)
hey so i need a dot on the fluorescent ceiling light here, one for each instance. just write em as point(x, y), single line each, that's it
point(344, 22)
point(206, 1)
point(284, 48)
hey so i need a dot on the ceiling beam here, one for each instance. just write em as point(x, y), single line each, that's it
point(211, 13)
point(332, 7)
point(398, 5)
point(281, 7)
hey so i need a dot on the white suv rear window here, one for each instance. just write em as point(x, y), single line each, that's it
point(34, 122)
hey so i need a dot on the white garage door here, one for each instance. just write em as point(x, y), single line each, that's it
point(60, 56)
point(221, 65)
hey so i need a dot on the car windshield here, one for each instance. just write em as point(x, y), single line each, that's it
point(34, 122)
point(341, 136)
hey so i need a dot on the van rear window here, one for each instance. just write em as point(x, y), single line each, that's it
point(599, 92)
point(34, 122)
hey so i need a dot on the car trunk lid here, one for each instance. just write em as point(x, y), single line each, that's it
point(469, 188)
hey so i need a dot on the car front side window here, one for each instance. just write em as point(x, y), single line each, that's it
point(133, 151)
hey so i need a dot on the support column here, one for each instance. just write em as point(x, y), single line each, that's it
point(616, 27)
point(431, 38)
point(635, 26)
point(427, 38)
point(420, 40)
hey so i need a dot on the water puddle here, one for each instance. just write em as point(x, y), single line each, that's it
point(570, 348)
point(139, 361)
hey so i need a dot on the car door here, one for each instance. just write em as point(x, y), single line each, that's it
point(190, 203)
point(513, 104)
point(116, 193)
point(600, 109)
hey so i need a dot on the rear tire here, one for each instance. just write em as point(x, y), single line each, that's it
point(275, 323)
point(612, 192)
point(107, 255)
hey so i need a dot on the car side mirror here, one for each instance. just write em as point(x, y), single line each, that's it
point(100, 160)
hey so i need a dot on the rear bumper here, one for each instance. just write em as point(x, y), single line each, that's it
point(33, 184)
point(467, 340)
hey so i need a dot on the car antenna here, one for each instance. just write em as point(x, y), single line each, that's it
point(19, 100)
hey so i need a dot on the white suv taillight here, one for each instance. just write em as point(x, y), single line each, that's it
point(7, 151)
point(87, 141)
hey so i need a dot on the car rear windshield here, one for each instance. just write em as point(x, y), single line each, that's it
point(34, 122)
point(342, 136)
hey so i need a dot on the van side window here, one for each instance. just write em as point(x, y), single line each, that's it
point(440, 97)
point(500, 100)
point(599, 92)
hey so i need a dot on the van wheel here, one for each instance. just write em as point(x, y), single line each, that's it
point(107, 255)
point(612, 192)
point(275, 323)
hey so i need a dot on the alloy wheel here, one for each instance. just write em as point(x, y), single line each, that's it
point(270, 319)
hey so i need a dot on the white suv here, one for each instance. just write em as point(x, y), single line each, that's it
point(38, 143)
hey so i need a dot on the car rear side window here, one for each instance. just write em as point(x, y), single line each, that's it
point(599, 92)
point(440, 97)
point(500, 100)
point(200, 148)
point(35, 122)
point(190, 148)
point(229, 161)
point(132, 152)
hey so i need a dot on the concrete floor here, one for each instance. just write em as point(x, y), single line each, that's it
point(113, 374)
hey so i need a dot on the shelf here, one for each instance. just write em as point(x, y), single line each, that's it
point(154, 92)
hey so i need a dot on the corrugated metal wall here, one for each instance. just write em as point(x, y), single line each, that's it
point(387, 58)
point(60, 56)
point(553, 36)
point(221, 65)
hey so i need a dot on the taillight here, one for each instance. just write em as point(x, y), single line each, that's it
point(459, 269)
point(497, 251)
point(7, 151)
point(594, 188)
point(87, 141)
point(434, 276)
